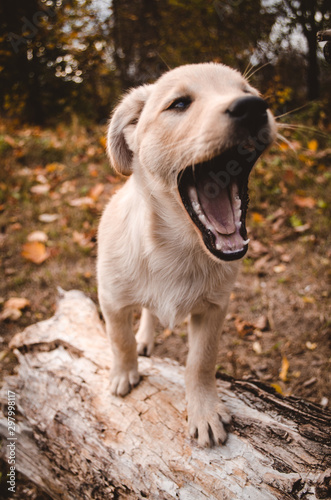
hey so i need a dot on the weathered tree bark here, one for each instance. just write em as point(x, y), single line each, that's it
point(77, 442)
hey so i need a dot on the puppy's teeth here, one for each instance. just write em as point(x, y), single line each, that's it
point(195, 206)
point(237, 215)
point(247, 241)
point(193, 195)
point(238, 224)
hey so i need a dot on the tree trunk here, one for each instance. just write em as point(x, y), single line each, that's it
point(313, 68)
point(76, 441)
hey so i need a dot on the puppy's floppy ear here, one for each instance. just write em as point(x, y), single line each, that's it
point(120, 140)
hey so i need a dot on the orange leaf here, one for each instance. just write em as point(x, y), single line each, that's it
point(284, 369)
point(103, 141)
point(258, 218)
point(35, 251)
point(243, 327)
point(277, 388)
point(304, 202)
point(308, 300)
point(313, 145)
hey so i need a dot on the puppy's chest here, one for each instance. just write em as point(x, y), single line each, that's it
point(177, 290)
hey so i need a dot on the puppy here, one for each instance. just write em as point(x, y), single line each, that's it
point(170, 239)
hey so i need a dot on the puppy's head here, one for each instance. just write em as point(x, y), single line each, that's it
point(196, 133)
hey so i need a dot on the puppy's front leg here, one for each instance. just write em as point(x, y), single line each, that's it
point(206, 413)
point(124, 368)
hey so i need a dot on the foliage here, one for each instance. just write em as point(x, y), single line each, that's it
point(60, 58)
point(48, 48)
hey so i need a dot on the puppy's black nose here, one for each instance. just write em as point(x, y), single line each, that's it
point(249, 112)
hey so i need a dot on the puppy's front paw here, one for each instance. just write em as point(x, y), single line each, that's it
point(123, 381)
point(205, 421)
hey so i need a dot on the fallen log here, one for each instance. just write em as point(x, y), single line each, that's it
point(76, 441)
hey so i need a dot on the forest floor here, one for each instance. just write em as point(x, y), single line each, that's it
point(54, 184)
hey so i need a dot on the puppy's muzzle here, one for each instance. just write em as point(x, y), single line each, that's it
point(215, 192)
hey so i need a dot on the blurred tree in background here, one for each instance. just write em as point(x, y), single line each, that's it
point(52, 59)
point(65, 57)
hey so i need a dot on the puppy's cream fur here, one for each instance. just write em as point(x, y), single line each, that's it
point(151, 255)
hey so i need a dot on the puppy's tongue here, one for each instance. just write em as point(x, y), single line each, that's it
point(215, 201)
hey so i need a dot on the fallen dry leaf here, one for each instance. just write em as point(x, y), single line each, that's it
point(261, 323)
point(83, 240)
point(17, 303)
point(302, 229)
point(308, 300)
point(310, 382)
point(257, 348)
point(68, 187)
point(289, 177)
point(54, 167)
point(284, 369)
point(3, 354)
point(304, 202)
point(96, 190)
point(82, 202)
point(313, 145)
point(35, 251)
point(257, 218)
point(103, 141)
point(243, 327)
point(12, 308)
point(279, 269)
point(311, 345)
point(40, 189)
point(12, 314)
point(9, 140)
point(48, 217)
point(37, 236)
point(285, 257)
point(277, 388)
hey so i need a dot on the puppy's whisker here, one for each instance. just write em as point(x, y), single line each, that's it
point(284, 139)
point(251, 73)
point(291, 111)
point(247, 70)
point(289, 126)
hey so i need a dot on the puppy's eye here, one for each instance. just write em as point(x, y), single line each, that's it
point(180, 104)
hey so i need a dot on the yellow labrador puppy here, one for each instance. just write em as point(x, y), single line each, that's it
point(170, 239)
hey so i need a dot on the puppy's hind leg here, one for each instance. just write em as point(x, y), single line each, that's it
point(145, 334)
point(124, 367)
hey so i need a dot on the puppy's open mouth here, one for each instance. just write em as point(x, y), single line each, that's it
point(215, 195)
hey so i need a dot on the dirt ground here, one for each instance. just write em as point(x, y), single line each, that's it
point(278, 325)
